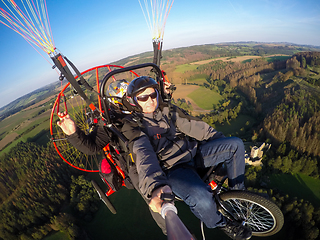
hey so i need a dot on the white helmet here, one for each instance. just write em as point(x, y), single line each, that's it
point(116, 90)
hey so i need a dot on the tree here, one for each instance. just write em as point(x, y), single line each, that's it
point(296, 166)
point(292, 63)
point(312, 233)
point(282, 148)
point(83, 196)
point(286, 165)
point(309, 166)
point(287, 208)
point(277, 163)
point(303, 62)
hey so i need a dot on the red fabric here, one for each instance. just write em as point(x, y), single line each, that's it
point(105, 166)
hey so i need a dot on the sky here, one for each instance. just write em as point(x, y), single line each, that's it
point(97, 32)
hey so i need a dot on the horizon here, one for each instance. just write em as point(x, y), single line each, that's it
point(222, 43)
point(110, 31)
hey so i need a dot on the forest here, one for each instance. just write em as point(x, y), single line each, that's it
point(39, 195)
point(286, 106)
point(283, 97)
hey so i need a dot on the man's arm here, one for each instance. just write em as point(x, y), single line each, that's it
point(88, 144)
point(149, 171)
point(195, 127)
point(151, 175)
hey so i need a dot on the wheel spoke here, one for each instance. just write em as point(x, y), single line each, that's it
point(260, 214)
point(254, 215)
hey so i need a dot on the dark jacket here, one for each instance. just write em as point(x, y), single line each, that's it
point(162, 143)
point(91, 143)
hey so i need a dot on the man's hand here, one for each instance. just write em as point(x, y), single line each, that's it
point(67, 125)
point(167, 87)
point(156, 203)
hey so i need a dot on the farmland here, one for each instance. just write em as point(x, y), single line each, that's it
point(23, 126)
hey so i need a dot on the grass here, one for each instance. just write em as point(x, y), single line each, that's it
point(271, 59)
point(205, 98)
point(31, 124)
point(11, 122)
point(298, 185)
point(197, 81)
point(235, 125)
point(36, 130)
point(247, 60)
point(26, 137)
point(132, 221)
point(277, 58)
point(185, 67)
point(43, 123)
point(57, 236)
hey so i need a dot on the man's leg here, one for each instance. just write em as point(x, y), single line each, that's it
point(188, 186)
point(230, 151)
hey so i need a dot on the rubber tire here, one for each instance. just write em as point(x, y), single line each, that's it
point(261, 202)
point(103, 197)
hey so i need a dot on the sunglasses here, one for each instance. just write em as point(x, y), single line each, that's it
point(144, 98)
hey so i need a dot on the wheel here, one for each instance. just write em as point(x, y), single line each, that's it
point(260, 214)
point(103, 197)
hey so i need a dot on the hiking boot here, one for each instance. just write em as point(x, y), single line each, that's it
point(236, 231)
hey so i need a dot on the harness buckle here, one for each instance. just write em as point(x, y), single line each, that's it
point(157, 136)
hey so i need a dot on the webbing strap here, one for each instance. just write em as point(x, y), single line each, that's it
point(82, 80)
point(62, 66)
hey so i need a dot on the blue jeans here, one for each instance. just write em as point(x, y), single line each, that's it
point(187, 185)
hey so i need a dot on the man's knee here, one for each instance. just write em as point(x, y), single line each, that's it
point(236, 142)
point(201, 198)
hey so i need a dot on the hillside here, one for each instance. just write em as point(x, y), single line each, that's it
point(172, 58)
point(29, 100)
point(281, 92)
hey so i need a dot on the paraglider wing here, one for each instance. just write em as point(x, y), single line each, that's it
point(31, 21)
point(156, 13)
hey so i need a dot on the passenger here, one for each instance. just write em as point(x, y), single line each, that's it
point(168, 144)
point(95, 141)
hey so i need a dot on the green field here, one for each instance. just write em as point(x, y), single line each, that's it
point(133, 220)
point(185, 67)
point(122, 225)
point(199, 81)
point(13, 121)
point(271, 59)
point(298, 185)
point(277, 58)
point(205, 98)
point(57, 236)
point(26, 124)
point(235, 125)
